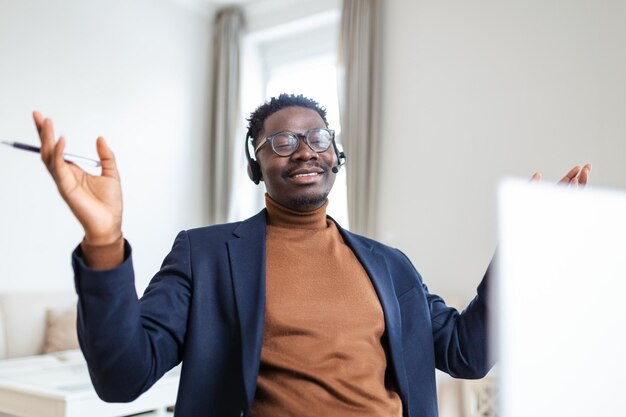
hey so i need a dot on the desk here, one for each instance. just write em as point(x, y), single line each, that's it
point(58, 385)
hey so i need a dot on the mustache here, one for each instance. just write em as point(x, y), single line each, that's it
point(309, 165)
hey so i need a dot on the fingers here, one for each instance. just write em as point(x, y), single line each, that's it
point(51, 151)
point(573, 173)
point(107, 159)
point(584, 175)
point(38, 118)
point(57, 161)
point(45, 129)
point(577, 176)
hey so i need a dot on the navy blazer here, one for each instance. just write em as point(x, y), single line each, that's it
point(206, 308)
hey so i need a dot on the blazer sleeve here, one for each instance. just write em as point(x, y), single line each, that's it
point(461, 340)
point(130, 343)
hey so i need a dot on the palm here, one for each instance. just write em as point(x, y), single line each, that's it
point(95, 200)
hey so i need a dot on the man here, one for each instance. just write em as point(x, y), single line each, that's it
point(283, 314)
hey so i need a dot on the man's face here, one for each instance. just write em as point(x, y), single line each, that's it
point(303, 180)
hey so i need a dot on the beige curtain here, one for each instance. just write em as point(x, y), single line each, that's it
point(359, 68)
point(225, 112)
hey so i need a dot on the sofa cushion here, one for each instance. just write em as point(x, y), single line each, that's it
point(23, 320)
point(60, 333)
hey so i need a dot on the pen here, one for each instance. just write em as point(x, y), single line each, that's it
point(67, 156)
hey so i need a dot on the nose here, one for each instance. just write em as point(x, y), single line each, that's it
point(304, 151)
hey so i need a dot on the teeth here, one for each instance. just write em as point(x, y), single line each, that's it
point(307, 175)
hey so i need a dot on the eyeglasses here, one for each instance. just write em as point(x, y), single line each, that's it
point(287, 143)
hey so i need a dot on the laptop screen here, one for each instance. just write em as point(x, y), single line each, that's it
point(560, 321)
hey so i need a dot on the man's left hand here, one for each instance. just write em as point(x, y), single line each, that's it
point(576, 177)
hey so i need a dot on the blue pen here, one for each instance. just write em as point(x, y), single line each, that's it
point(80, 160)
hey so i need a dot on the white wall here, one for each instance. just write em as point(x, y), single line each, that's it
point(135, 72)
point(473, 91)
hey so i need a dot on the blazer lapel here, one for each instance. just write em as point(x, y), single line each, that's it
point(376, 267)
point(247, 263)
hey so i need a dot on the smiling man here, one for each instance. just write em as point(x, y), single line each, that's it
point(282, 314)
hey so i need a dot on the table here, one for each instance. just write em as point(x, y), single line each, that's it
point(58, 385)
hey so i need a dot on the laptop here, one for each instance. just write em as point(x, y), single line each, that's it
point(560, 295)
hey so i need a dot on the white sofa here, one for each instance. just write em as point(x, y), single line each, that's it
point(23, 320)
point(62, 386)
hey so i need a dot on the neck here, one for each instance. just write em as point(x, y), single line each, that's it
point(282, 216)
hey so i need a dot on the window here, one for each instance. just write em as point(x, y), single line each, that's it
point(298, 57)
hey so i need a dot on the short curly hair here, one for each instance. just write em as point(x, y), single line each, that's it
point(257, 117)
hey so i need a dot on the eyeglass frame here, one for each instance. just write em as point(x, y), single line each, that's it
point(300, 136)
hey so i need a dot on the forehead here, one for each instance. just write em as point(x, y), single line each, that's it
point(294, 119)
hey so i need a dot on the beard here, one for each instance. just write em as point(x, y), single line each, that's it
point(306, 203)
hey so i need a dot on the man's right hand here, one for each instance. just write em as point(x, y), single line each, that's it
point(95, 200)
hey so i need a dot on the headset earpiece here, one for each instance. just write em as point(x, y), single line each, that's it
point(254, 169)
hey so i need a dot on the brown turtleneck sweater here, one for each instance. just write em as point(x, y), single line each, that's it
point(322, 351)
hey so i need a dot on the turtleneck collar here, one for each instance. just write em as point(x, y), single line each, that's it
point(280, 216)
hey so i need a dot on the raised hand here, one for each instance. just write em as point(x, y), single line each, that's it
point(576, 177)
point(95, 200)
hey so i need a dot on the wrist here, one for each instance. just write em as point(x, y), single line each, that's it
point(94, 240)
point(103, 256)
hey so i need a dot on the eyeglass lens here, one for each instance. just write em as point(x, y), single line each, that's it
point(286, 143)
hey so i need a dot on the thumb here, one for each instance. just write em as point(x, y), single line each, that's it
point(107, 159)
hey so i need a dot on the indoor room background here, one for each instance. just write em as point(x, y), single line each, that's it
point(470, 92)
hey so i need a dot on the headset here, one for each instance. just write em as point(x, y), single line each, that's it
point(254, 169)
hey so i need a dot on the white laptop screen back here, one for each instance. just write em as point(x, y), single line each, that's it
point(561, 295)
